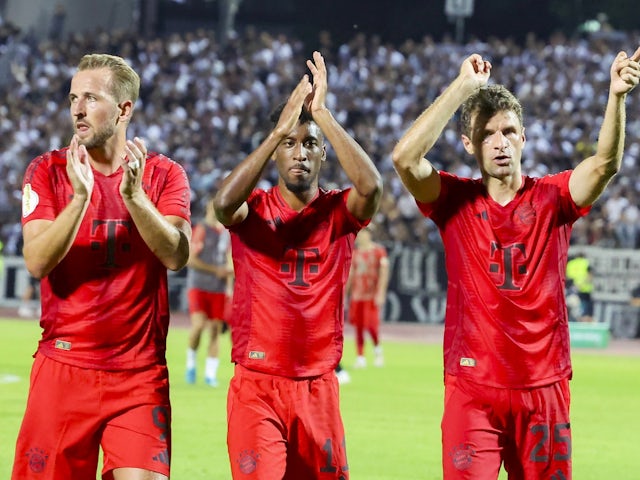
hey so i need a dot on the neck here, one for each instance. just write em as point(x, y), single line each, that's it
point(108, 157)
point(298, 200)
point(503, 190)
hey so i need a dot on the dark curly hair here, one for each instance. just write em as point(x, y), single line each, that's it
point(305, 115)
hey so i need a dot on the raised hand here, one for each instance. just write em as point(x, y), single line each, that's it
point(316, 99)
point(625, 72)
point(475, 71)
point(291, 111)
point(79, 169)
point(133, 167)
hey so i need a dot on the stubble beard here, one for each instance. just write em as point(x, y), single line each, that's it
point(299, 187)
point(99, 138)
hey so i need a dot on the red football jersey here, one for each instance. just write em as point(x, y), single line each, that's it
point(365, 272)
point(105, 305)
point(506, 321)
point(290, 271)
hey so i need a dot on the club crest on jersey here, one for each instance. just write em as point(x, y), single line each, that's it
point(248, 461)
point(526, 214)
point(37, 459)
point(30, 200)
point(255, 355)
point(462, 456)
point(467, 362)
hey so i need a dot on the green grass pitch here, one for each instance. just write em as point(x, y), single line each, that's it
point(391, 414)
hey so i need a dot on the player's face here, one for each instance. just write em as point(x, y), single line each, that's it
point(497, 143)
point(94, 110)
point(299, 156)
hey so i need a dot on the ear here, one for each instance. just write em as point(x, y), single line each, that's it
point(126, 110)
point(524, 137)
point(467, 144)
point(324, 152)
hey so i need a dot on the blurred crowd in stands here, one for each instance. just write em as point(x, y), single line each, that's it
point(206, 106)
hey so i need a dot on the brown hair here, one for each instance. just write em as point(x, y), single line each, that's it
point(487, 102)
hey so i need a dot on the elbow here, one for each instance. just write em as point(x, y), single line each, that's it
point(376, 191)
point(612, 169)
point(223, 207)
point(398, 158)
point(36, 267)
point(174, 267)
point(180, 257)
point(177, 263)
point(36, 271)
point(606, 171)
point(373, 189)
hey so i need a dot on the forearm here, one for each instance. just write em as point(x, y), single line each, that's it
point(355, 162)
point(239, 184)
point(198, 264)
point(169, 242)
point(425, 131)
point(591, 176)
point(44, 248)
point(612, 134)
point(383, 282)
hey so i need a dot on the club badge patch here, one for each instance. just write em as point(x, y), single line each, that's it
point(462, 456)
point(248, 461)
point(37, 459)
point(30, 200)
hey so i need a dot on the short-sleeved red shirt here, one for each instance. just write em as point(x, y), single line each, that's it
point(105, 305)
point(290, 271)
point(506, 321)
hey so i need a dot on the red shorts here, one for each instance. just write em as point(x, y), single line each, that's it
point(213, 304)
point(285, 429)
point(364, 314)
point(527, 429)
point(72, 411)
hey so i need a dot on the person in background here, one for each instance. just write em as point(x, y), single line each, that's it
point(506, 237)
point(634, 298)
point(366, 293)
point(103, 220)
point(29, 305)
point(292, 248)
point(342, 375)
point(580, 280)
point(208, 278)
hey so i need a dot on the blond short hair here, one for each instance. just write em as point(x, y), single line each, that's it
point(125, 82)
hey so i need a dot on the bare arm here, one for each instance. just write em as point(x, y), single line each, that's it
point(220, 271)
point(383, 282)
point(592, 175)
point(231, 275)
point(230, 199)
point(365, 196)
point(416, 172)
point(47, 242)
point(168, 237)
